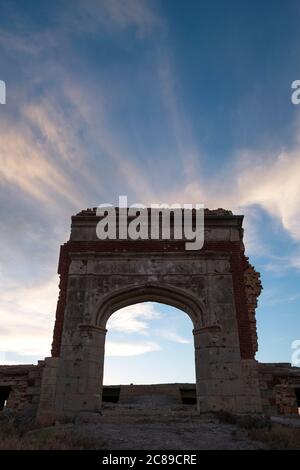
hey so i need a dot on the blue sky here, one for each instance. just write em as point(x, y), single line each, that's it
point(165, 101)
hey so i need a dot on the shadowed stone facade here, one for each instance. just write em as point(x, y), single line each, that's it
point(216, 287)
point(20, 385)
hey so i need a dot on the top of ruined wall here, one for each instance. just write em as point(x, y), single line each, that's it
point(219, 225)
point(278, 369)
point(15, 370)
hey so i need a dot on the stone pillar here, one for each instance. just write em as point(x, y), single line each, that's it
point(73, 383)
point(46, 410)
point(81, 372)
point(218, 371)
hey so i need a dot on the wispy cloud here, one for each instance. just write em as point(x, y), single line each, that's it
point(54, 134)
point(135, 318)
point(185, 148)
point(130, 349)
point(26, 164)
point(99, 17)
point(61, 149)
point(273, 182)
point(281, 264)
point(276, 296)
point(269, 182)
point(26, 319)
point(173, 336)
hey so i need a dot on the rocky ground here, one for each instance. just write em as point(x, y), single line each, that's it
point(178, 427)
point(149, 425)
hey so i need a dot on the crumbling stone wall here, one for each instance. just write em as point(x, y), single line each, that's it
point(278, 383)
point(129, 392)
point(24, 384)
point(253, 288)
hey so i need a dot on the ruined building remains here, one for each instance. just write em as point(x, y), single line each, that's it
point(216, 287)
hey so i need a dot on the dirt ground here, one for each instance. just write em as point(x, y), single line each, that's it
point(177, 427)
point(149, 423)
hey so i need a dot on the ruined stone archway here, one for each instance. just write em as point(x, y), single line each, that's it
point(215, 286)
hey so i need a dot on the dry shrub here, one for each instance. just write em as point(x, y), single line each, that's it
point(50, 438)
point(260, 428)
point(243, 421)
point(278, 437)
point(226, 417)
point(253, 422)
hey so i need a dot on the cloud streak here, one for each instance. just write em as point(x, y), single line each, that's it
point(66, 142)
point(26, 319)
point(118, 349)
point(134, 319)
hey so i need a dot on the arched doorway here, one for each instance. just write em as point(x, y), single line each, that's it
point(131, 296)
point(149, 356)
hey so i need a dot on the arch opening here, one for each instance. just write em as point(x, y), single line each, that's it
point(167, 295)
point(149, 356)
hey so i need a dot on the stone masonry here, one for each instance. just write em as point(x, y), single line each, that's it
point(20, 385)
point(216, 287)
